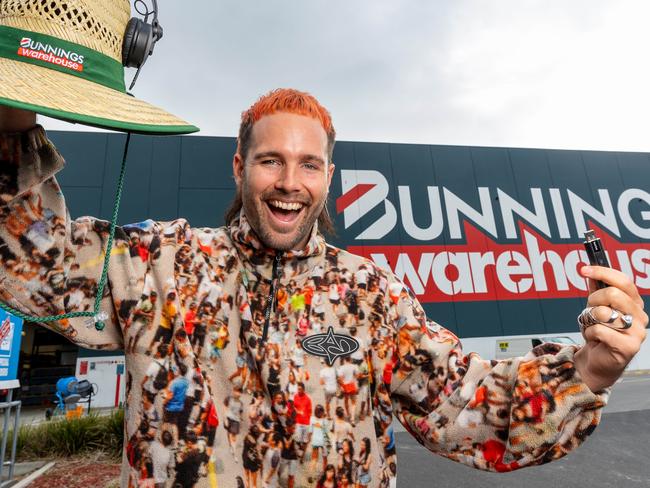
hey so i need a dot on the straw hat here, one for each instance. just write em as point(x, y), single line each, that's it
point(63, 59)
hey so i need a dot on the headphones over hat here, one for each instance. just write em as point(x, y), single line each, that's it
point(140, 37)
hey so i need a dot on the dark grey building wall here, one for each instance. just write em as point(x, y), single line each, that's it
point(166, 177)
point(191, 177)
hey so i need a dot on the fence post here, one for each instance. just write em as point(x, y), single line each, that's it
point(6, 407)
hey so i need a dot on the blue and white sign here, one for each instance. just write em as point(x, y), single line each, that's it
point(10, 335)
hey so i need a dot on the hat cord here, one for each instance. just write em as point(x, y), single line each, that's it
point(98, 318)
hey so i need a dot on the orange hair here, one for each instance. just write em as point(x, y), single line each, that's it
point(290, 101)
point(284, 100)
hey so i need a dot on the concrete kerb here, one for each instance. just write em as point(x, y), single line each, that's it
point(27, 480)
point(637, 372)
point(36, 415)
point(24, 468)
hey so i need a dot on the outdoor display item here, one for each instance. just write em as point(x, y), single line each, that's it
point(71, 391)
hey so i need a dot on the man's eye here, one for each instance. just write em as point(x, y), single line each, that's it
point(310, 166)
point(270, 161)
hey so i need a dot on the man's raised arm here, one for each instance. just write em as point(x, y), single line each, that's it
point(50, 264)
point(496, 416)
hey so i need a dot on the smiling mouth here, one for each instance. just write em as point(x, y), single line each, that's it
point(285, 212)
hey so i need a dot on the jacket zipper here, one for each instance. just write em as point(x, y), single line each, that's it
point(270, 301)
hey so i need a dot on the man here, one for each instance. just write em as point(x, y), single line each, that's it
point(161, 456)
point(234, 411)
point(271, 460)
point(190, 319)
point(189, 460)
point(143, 317)
point(174, 401)
point(347, 377)
point(156, 377)
point(303, 407)
point(168, 317)
point(288, 454)
point(419, 373)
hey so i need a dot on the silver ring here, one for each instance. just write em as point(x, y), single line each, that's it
point(612, 317)
point(627, 320)
point(586, 319)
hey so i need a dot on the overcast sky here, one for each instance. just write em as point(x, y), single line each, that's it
point(519, 73)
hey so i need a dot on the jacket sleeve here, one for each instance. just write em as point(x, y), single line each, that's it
point(51, 264)
point(491, 415)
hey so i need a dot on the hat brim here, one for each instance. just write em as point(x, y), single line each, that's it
point(73, 99)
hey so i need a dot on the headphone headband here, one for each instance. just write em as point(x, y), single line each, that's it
point(140, 37)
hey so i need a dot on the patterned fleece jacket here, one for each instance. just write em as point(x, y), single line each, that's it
point(247, 367)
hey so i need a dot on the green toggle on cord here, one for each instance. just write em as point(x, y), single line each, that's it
point(97, 316)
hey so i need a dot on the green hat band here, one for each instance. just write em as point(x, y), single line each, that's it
point(60, 55)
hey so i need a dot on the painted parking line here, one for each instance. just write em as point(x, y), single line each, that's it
point(634, 380)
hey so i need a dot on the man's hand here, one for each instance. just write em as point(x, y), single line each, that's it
point(16, 120)
point(607, 351)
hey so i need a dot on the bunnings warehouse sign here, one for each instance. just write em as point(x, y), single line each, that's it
point(517, 236)
point(490, 239)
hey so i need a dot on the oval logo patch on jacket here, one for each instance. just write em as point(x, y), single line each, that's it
point(330, 346)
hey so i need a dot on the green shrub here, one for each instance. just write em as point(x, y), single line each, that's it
point(62, 438)
point(114, 433)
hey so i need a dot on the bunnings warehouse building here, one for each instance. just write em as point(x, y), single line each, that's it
point(488, 238)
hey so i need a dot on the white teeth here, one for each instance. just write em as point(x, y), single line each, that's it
point(286, 205)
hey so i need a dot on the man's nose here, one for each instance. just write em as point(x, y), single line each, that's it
point(289, 180)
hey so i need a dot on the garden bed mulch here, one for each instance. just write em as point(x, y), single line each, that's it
point(80, 473)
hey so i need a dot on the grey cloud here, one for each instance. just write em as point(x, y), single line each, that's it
point(461, 72)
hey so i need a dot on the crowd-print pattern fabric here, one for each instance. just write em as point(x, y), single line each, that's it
point(212, 402)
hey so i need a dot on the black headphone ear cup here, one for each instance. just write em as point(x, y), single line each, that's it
point(138, 39)
point(127, 43)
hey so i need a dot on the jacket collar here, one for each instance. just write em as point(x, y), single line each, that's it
point(249, 244)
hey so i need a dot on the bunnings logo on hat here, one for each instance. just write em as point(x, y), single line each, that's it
point(50, 54)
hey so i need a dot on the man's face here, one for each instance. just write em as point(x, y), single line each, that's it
point(284, 179)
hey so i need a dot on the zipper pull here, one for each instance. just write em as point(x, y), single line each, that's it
point(276, 266)
point(270, 302)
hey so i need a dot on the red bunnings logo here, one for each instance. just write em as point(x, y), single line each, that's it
point(483, 267)
point(50, 54)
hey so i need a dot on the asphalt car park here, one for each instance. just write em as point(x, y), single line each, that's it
point(616, 454)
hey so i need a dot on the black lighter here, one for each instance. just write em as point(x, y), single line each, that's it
point(596, 254)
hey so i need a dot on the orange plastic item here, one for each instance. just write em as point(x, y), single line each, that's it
point(74, 413)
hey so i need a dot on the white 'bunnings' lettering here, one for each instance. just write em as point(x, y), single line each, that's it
point(606, 218)
point(28, 43)
point(446, 206)
point(455, 206)
point(624, 201)
point(510, 206)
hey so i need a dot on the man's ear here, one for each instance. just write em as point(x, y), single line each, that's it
point(237, 168)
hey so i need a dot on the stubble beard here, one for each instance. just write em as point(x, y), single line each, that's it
point(254, 210)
